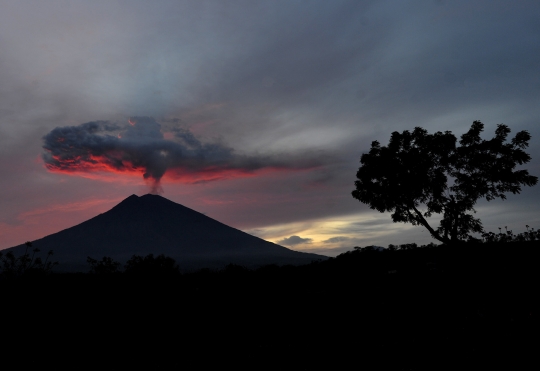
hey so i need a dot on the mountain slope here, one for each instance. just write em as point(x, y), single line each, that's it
point(152, 224)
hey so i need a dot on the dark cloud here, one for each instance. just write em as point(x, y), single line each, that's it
point(141, 147)
point(294, 240)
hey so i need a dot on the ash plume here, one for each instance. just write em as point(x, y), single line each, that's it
point(140, 146)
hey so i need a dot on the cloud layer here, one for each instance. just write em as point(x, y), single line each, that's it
point(255, 93)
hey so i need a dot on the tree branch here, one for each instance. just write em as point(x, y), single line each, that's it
point(420, 218)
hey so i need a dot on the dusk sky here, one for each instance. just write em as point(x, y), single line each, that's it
point(254, 113)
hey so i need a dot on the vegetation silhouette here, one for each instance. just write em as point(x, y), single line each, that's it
point(508, 236)
point(137, 265)
point(104, 266)
point(417, 168)
point(160, 265)
point(26, 264)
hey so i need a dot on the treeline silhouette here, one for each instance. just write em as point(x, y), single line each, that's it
point(407, 307)
point(27, 264)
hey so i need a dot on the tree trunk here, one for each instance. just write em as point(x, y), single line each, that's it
point(421, 220)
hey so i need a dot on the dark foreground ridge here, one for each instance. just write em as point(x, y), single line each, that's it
point(437, 308)
point(152, 224)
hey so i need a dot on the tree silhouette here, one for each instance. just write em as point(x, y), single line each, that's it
point(104, 266)
point(417, 168)
point(15, 266)
point(149, 265)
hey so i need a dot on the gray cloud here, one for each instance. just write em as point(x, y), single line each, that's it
point(140, 146)
point(294, 240)
point(337, 239)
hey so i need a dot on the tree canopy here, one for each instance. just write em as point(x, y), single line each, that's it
point(419, 174)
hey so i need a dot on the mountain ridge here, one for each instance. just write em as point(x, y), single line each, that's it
point(152, 224)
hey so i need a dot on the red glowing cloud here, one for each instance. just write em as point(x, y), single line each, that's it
point(140, 148)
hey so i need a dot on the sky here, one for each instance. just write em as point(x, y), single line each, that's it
point(253, 113)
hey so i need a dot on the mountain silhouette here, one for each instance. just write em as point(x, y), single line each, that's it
point(152, 224)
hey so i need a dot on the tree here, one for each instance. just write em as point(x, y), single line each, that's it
point(425, 171)
point(160, 265)
point(12, 266)
point(105, 266)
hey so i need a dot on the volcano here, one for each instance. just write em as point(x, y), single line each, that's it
point(152, 224)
